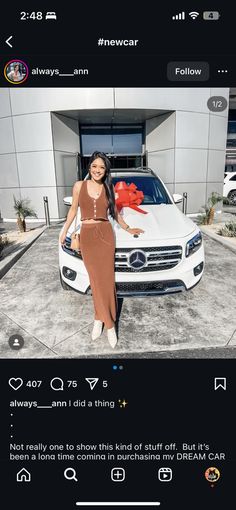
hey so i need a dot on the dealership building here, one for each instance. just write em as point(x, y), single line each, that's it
point(48, 134)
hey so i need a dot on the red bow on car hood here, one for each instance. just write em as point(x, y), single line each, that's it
point(128, 196)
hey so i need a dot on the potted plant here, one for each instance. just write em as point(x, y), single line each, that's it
point(23, 209)
point(208, 217)
point(214, 199)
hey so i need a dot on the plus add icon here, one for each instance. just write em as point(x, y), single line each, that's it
point(118, 474)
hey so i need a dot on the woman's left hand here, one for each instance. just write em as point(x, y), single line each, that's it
point(135, 231)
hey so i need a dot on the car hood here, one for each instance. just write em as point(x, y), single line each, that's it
point(164, 221)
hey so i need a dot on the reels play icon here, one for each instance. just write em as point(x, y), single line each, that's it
point(165, 474)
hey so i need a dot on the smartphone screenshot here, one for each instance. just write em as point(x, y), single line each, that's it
point(117, 256)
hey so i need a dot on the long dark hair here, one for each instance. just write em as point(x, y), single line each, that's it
point(107, 180)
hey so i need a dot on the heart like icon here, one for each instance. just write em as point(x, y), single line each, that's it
point(15, 382)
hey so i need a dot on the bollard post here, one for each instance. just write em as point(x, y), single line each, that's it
point(185, 201)
point(46, 211)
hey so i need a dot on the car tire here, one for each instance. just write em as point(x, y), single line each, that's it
point(232, 197)
point(64, 284)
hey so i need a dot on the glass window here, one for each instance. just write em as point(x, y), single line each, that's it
point(96, 140)
point(232, 126)
point(127, 143)
point(119, 140)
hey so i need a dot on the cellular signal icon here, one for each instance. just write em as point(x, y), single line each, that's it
point(179, 17)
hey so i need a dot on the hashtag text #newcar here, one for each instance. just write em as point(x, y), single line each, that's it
point(117, 42)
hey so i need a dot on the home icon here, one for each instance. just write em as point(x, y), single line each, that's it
point(23, 476)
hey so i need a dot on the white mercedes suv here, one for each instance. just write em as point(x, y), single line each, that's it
point(168, 257)
point(230, 187)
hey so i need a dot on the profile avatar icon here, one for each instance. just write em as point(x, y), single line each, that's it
point(16, 342)
point(16, 71)
point(212, 474)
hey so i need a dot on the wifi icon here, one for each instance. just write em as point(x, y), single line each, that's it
point(193, 14)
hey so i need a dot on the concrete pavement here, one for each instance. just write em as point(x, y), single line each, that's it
point(56, 323)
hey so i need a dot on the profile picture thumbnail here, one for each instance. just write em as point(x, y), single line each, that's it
point(16, 71)
point(212, 474)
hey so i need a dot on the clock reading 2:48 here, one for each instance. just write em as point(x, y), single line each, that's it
point(31, 15)
point(37, 16)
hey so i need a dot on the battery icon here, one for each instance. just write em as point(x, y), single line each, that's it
point(211, 15)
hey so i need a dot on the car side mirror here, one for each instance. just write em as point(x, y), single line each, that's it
point(177, 198)
point(67, 200)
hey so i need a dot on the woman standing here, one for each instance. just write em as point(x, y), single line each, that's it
point(15, 75)
point(96, 198)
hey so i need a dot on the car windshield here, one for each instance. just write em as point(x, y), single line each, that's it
point(152, 188)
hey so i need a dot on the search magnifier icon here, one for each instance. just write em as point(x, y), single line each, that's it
point(70, 474)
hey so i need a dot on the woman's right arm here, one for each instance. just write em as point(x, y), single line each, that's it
point(72, 211)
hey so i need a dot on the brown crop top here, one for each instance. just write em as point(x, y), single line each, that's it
point(93, 208)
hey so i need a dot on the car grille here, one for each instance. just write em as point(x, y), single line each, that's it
point(155, 259)
point(148, 288)
point(139, 289)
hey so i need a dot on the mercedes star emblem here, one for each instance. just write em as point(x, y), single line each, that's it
point(137, 259)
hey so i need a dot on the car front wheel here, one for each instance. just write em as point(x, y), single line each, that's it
point(232, 197)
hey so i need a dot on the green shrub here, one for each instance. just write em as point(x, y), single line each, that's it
point(3, 242)
point(229, 230)
point(202, 219)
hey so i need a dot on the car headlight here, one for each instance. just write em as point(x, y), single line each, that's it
point(193, 244)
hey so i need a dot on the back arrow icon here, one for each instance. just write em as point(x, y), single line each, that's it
point(8, 41)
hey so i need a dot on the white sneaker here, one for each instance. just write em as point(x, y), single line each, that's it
point(112, 338)
point(97, 329)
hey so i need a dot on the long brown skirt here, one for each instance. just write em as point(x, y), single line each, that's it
point(97, 243)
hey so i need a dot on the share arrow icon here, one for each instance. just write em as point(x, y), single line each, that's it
point(92, 381)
